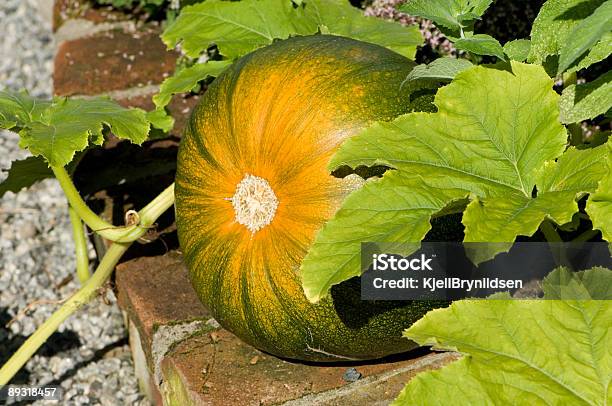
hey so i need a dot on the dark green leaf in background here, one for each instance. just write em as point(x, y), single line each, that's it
point(552, 29)
point(442, 69)
point(481, 44)
point(517, 50)
point(586, 34)
point(24, 173)
point(452, 14)
point(587, 100)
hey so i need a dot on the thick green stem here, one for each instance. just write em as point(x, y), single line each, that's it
point(549, 231)
point(80, 246)
point(105, 229)
point(148, 215)
point(586, 236)
point(84, 295)
point(552, 236)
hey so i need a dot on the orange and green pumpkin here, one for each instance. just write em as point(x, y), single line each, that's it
point(252, 190)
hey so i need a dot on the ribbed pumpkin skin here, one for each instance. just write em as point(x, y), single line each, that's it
point(279, 113)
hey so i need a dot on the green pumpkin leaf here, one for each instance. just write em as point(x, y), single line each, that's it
point(235, 27)
point(481, 44)
point(559, 185)
point(592, 284)
point(238, 28)
point(186, 79)
point(517, 50)
point(24, 173)
point(493, 130)
point(452, 14)
point(56, 129)
point(442, 69)
point(586, 34)
point(599, 205)
point(70, 125)
point(340, 18)
point(588, 100)
point(552, 29)
point(160, 118)
point(19, 109)
point(599, 52)
point(502, 342)
point(493, 133)
point(396, 208)
point(502, 219)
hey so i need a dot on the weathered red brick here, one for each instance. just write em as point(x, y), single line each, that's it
point(156, 291)
point(64, 10)
point(220, 370)
point(112, 60)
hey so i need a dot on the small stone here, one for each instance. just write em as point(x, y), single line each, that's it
point(27, 230)
point(254, 360)
point(351, 375)
point(213, 323)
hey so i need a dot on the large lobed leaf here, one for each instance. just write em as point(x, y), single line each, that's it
point(536, 352)
point(240, 27)
point(404, 205)
point(57, 129)
point(495, 137)
point(554, 27)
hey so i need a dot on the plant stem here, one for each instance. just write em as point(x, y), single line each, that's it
point(105, 229)
point(84, 295)
point(148, 215)
point(569, 79)
point(80, 246)
point(586, 236)
point(549, 231)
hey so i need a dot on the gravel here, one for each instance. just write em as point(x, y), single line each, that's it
point(88, 356)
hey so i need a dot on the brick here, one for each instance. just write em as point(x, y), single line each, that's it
point(206, 371)
point(155, 291)
point(111, 60)
point(197, 362)
point(64, 10)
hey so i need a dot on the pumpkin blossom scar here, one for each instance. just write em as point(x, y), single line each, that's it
point(254, 203)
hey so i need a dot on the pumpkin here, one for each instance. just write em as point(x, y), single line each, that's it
point(252, 189)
